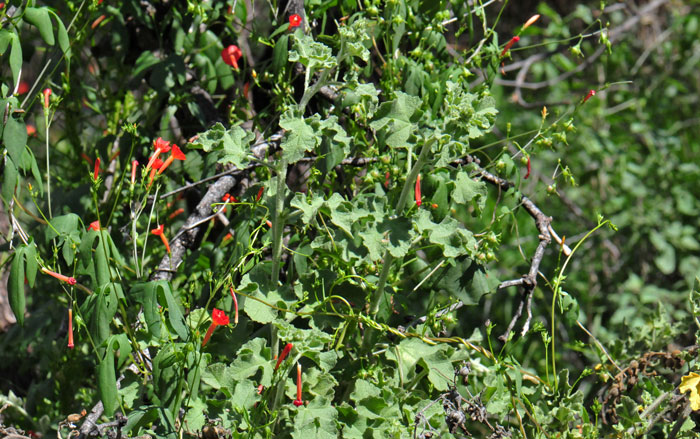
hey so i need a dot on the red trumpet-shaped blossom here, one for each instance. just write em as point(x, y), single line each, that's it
point(284, 354)
point(231, 55)
point(96, 172)
point(176, 153)
point(294, 21)
point(160, 146)
point(417, 192)
point(66, 279)
point(218, 318)
point(157, 163)
point(235, 306)
point(47, 95)
point(71, 345)
point(95, 225)
point(298, 402)
point(160, 231)
point(509, 44)
point(134, 165)
point(590, 94)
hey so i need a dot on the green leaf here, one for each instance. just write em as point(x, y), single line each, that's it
point(5, 38)
point(212, 139)
point(62, 225)
point(144, 62)
point(396, 120)
point(15, 287)
point(299, 138)
point(63, 41)
point(175, 317)
point(10, 180)
point(280, 54)
point(39, 17)
point(312, 54)
point(16, 67)
point(665, 259)
point(107, 383)
point(15, 138)
point(467, 189)
point(355, 39)
point(236, 144)
point(317, 421)
point(249, 360)
point(146, 295)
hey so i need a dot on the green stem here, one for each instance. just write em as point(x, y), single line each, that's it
point(388, 258)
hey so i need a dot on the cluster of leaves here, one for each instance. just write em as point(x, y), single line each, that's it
point(352, 150)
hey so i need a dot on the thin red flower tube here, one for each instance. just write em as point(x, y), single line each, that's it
point(134, 165)
point(298, 402)
point(96, 172)
point(218, 318)
point(509, 44)
point(260, 193)
point(71, 345)
point(160, 146)
point(66, 279)
point(528, 168)
point(175, 153)
point(160, 231)
point(590, 94)
point(387, 179)
point(231, 55)
point(417, 192)
point(294, 21)
point(288, 347)
point(157, 163)
point(95, 225)
point(235, 306)
point(47, 95)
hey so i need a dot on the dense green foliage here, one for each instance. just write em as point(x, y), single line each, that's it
point(368, 193)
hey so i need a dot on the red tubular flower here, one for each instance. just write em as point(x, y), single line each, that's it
point(298, 402)
point(235, 306)
point(294, 21)
point(31, 130)
point(71, 345)
point(590, 94)
point(161, 232)
point(288, 347)
point(231, 55)
point(531, 21)
point(218, 318)
point(87, 158)
point(387, 178)
point(417, 191)
point(260, 193)
point(157, 163)
point(160, 146)
point(509, 44)
point(95, 225)
point(528, 168)
point(23, 86)
point(134, 165)
point(176, 213)
point(47, 94)
point(268, 223)
point(227, 237)
point(66, 279)
point(96, 173)
point(176, 153)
